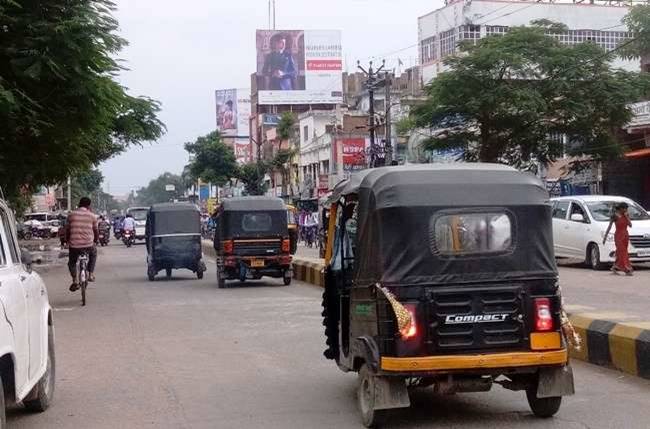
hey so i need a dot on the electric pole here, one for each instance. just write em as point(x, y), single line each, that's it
point(371, 85)
point(388, 133)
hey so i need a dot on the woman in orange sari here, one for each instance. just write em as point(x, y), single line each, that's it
point(621, 219)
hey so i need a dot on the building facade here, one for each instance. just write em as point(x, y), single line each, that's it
point(440, 31)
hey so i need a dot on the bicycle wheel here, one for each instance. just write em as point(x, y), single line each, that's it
point(83, 293)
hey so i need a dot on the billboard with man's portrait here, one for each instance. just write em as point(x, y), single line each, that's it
point(233, 112)
point(299, 67)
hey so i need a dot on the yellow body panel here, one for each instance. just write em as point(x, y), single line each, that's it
point(470, 362)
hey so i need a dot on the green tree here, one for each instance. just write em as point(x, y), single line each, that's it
point(252, 176)
point(212, 160)
point(637, 22)
point(508, 98)
point(281, 163)
point(285, 126)
point(61, 109)
point(86, 184)
point(155, 191)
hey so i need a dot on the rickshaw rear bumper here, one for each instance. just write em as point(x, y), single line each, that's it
point(491, 362)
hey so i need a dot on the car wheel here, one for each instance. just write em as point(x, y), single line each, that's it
point(366, 394)
point(543, 407)
point(44, 390)
point(593, 257)
point(3, 418)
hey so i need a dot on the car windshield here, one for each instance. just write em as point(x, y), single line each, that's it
point(139, 214)
point(41, 217)
point(602, 210)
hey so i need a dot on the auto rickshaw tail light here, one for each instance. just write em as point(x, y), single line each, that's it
point(228, 246)
point(543, 316)
point(411, 329)
point(286, 245)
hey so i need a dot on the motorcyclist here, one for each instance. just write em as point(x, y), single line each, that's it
point(129, 223)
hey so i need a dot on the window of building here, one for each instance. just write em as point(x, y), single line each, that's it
point(447, 42)
point(305, 133)
point(469, 32)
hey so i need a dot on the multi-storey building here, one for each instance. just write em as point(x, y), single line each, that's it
point(441, 31)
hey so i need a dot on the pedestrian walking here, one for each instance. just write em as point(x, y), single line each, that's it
point(621, 219)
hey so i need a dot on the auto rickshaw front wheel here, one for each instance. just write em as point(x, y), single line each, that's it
point(542, 407)
point(366, 396)
point(151, 274)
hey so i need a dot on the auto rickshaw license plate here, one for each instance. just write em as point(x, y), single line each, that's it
point(256, 263)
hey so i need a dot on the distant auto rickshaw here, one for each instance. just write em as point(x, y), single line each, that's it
point(173, 235)
point(444, 276)
point(292, 224)
point(252, 240)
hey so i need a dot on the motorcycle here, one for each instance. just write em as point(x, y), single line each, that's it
point(128, 238)
point(104, 238)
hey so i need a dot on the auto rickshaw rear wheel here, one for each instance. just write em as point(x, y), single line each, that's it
point(542, 407)
point(151, 274)
point(366, 395)
point(168, 273)
point(199, 274)
point(287, 278)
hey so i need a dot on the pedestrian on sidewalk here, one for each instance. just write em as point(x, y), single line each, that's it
point(621, 219)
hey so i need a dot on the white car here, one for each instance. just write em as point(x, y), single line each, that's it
point(26, 330)
point(580, 222)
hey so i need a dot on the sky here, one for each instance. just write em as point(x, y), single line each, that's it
point(181, 51)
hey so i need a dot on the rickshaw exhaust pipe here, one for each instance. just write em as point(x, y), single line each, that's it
point(452, 385)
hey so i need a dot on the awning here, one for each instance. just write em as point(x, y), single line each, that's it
point(639, 153)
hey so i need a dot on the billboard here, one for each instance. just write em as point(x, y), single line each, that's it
point(299, 67)
point(352, 153)
point(242, 151)
point(233, 112)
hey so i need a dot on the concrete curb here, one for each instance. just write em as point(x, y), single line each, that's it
point(621, 345)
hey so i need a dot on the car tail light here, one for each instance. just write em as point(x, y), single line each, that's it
point(543, 316)
point(228, 246)
point(286, 245)
point(410, 330)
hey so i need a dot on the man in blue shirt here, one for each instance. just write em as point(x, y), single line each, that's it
point(280, 66)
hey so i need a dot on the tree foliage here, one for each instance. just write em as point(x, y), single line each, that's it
point(155, 191)
point(252, 175)
point(508, 99)
point(285, 126)
point(638, 23)
point(61, 109)
point(212, 160)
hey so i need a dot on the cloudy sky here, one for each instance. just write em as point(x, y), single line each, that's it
point(181, 51)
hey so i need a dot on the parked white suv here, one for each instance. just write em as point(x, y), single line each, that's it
point(26, 332)
point(580, 222)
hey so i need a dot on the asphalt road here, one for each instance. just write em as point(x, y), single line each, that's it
point(181, 353)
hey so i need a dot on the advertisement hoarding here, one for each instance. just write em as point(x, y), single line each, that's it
point(233, 109)
point(352, 153)
point(299, 67)
point(242, 151)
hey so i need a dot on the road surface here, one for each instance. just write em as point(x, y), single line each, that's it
point(181, 353)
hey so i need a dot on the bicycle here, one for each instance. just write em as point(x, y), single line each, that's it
point(82, 275)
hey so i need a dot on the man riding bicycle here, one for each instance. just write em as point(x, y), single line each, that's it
point(82, 233)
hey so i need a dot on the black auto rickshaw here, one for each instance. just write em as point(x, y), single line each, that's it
point(173, 235)
point(444, 276)
point(252, 240)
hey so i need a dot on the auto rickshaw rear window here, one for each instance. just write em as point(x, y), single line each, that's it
point(257, 222)
point(464, 234)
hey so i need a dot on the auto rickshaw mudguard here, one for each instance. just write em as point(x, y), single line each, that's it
point(364, 349)
point(555, 381)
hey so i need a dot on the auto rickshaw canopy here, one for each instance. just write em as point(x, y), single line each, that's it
point(252, 217)
point(436, 224)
